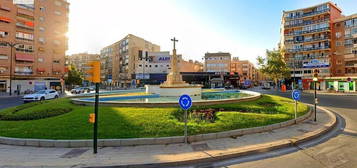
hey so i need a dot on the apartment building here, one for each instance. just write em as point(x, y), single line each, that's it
point(80, 60)
point(306, 40)
point(119, 60)
point(345, 47)
point(217, 62)
point(37, 33)
point(245, 69)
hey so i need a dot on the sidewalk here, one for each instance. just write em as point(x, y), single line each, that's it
point(321, 92)
point(165, 155)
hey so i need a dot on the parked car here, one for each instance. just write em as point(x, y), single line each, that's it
point(80, 90)
point(41, 95)
point(266, 86)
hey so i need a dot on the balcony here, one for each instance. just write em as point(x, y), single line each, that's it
point(308, 49)
point(307, 23)
point(351, 65)
point(308, 32)
point(307, 40)
point(23, 70)
point(308, 14)
point(21, 25)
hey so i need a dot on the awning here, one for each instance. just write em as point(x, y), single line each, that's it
point(5, 19)
point(24, 57)
point(41, 69)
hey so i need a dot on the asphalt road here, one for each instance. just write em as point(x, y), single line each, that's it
point(7, 101)
point(337, 152)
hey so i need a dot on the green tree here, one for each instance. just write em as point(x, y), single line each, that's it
point(74, 77)
point(273, 65)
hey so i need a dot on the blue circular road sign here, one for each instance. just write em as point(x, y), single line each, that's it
point(296, 95)
point(185, 102)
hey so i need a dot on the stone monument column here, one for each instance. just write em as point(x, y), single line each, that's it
point(174, 78)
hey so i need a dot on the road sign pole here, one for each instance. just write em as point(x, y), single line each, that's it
point(315, 97)
point(185, 103)
point(185, 126)
point(95, 128)
point(296, 109)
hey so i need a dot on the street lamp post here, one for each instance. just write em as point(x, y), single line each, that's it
point(293, 86)
point(315, 96)
point(12, 45)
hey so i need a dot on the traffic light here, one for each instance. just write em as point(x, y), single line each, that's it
point(93, 72)
point(91, 118)
point(316, 73)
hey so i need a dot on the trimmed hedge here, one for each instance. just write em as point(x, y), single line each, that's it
point(31, 111)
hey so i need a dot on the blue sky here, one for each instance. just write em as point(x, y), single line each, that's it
point(245, 28)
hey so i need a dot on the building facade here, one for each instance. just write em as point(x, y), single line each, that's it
point(121, 59)
point(345, 46)
point(244, 68)
point(80, 60)
point(217, 62)
point(306, 42)
point(37, 33)
point(159, 62)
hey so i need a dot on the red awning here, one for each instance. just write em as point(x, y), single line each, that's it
point(5, 19)
point(24, 57)
point(41, 69)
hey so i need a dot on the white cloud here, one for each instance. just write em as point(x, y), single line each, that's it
point(95, 24)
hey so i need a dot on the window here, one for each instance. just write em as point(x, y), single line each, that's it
point(354, 52)
point(42, 29)
point(3, 34)
point(156, 66)
point(338, 43)
point(338, 34)
point(56, 61)
point(41, 40)
point(339, 62)
point(41, 18)
point(24, 36)
point(58, 3)
point(3, 69)
point(56, 42)
point(347, 32)
point(58, 13)
point(2, 57)
point(40, 59)
point(42, 9)
point(354, 31)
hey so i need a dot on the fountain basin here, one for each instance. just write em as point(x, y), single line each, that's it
point(176, 90)
point(208, 97)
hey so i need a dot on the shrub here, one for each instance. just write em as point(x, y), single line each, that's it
point(35, 110)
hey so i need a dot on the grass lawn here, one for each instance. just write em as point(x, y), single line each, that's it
point(135, 122)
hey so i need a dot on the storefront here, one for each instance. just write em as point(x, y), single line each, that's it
point(308, 84)
point(342, 85)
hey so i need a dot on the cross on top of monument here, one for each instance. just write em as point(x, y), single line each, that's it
point(174, 40)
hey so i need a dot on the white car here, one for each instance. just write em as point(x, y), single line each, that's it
point(41, 95)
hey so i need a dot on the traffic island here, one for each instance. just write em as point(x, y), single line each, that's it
point(174, 154)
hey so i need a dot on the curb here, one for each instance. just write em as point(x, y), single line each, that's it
point(248, 150)
point(149, 141)
point(331, 94)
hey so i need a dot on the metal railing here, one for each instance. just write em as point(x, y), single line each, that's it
point(308, 14)
point(306, 32)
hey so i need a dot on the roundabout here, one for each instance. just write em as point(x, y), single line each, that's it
point(144, 125)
